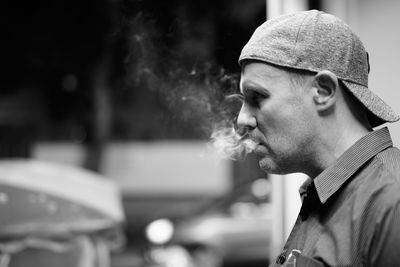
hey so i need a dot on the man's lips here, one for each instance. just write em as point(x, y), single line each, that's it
point(260, 147)
point(260, 150)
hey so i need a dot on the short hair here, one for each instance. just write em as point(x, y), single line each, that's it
point(298, 78)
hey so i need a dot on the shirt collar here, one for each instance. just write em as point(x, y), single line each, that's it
point(332, 178)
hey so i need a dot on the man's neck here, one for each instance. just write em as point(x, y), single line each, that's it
point(333, 144)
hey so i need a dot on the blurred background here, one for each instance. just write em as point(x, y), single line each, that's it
point(129, 91)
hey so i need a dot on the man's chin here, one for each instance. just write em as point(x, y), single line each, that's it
point(269, 166)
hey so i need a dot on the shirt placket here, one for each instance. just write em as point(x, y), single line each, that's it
point(297, 236)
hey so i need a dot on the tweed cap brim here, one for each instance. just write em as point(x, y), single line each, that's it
point(378, 111)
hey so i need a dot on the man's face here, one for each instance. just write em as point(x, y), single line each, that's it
point(279, 117)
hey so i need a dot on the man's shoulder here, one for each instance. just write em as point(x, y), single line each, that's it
point(381, 185)
point(378, 183)
point(389, 161)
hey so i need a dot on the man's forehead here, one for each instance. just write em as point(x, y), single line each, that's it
point(258, 72)
point(263, 69)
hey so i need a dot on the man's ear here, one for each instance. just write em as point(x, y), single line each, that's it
point(325, 86)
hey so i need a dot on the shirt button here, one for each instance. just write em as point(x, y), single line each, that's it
point(281, 258)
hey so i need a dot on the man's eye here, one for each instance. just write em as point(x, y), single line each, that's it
point(255, 98)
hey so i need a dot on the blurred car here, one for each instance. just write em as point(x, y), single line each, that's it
point(241, 236)
point(57, 215)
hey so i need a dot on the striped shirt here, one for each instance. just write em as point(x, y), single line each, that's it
point(350, 215)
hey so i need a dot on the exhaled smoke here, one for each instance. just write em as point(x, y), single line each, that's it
point(230, 144)
point(192, 97)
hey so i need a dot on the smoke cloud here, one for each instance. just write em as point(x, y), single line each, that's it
point(230, 144)
point(203, 94)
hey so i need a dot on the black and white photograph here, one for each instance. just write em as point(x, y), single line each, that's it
point(202, 133)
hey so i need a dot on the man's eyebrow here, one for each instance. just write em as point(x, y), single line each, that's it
point(251, 86)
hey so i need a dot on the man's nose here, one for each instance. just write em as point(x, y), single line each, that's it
point(246, 119)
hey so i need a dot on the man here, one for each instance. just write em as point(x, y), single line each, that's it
point(308, 107)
